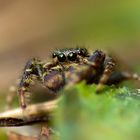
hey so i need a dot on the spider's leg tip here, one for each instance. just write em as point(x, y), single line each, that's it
point(98, 91)
point(99, 88)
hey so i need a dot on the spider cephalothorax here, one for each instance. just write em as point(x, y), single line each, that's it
point(70, 66)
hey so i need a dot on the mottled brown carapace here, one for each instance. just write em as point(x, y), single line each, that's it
point(70, 66)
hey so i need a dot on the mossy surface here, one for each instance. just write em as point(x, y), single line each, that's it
point(113, 115)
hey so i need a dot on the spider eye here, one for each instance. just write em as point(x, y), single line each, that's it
point(72, 56)
point(54, 55)
point(82, 52)
point(61, 57)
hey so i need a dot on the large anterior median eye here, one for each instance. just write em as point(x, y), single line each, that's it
point(61, 57)
point(72, 56)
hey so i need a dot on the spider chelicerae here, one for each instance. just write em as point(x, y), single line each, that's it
point(70, 66)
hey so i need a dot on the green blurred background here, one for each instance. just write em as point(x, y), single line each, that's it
point(34, 28)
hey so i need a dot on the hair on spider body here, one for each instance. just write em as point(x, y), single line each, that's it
point(70, 67)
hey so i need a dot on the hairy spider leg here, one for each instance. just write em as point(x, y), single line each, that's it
point(77, 74)
point(87, 71)
point(34, 67)
point(109, 66)
point(119, 76)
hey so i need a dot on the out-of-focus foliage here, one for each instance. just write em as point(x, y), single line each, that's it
point(113, 115)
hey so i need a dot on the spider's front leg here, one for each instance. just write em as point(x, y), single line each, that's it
point(33, 67)
point(89, 71)
point(120, 76)
point(109, 65)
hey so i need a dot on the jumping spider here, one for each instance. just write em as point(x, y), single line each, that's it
point(70, 66)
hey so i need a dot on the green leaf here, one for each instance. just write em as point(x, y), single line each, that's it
point(112, 115)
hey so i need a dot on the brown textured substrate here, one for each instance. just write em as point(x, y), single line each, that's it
point(13, 136)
